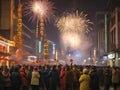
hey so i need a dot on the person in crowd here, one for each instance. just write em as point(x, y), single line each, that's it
point(107, 78)
point(58, 68)
point(29, 76)
point(115, 77)
point(2, 80)
point(15, 79)
point(76, 75)
point(69, 79)
point(11, 69)
point(84, 80)
point(100, 75)
point(46, 77)
point(23, 79)
point(35, 79)
point(118, 69)
point(63, 78)
point(53, 78)
point(42, 83)
point(94, 80)
point(6, 75)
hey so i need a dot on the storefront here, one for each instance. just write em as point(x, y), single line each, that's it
point(5, 51)
point(114, 59)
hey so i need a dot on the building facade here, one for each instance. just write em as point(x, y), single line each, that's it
point(8, 25)
point(113, 27)
point(6, 50)
point(99, 52)
point(6, 18)
point(100, 33)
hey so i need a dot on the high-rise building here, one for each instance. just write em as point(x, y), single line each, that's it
point(99, 50)
point(8, 24)
point(100, 34)
point(113, 23)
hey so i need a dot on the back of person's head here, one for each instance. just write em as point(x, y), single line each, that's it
point(16, 68)
point(36, 68)
point(85, 71)
point(6, 69)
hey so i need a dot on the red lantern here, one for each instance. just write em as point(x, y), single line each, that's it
point(41, 33)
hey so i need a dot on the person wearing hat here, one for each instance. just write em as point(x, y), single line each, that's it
point(35, 79)
point(16, 78)
point(84, 80)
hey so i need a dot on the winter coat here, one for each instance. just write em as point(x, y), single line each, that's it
point(23, 77)
point(94, 81)
point(53, 80)
point(7, 78)
point(69, 78)
point(63, 78)
point(2, 80)
point(107, 77)
point(29, 76)
point(84, 82)
point(115, 76)
point(35, 78)
point(15, 79)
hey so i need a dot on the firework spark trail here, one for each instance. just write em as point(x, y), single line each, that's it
point(77, 22)
point(35, 8)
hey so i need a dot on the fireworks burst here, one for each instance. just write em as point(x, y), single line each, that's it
point(74, 22)
point(35, 9)
point(70, 39)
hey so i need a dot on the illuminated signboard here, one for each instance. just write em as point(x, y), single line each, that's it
point(32, 58)
point(111, 56)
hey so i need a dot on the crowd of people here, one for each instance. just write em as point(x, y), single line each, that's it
point(23, 77)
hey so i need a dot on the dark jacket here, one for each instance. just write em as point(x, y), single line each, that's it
point(2, 80)
point(15, 79)
point(94, 81)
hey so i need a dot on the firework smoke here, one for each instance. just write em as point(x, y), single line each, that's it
point(70, 39)
point(73, 27)
point(75, 41)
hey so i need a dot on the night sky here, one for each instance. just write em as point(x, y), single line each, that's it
point(89, 7)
